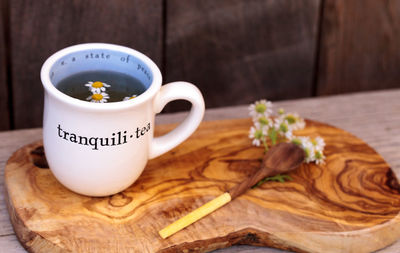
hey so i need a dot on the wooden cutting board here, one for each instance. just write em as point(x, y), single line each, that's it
point(349, 204)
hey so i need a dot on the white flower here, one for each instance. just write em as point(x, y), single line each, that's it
point(260, 108)
point(310, 153)
point(98, 97)
point(313, 148)
point(262, 120)
point(97, 87)
point(318, 143)
point(305, 143)
point(128, 98)
point(258, 134)
point(288, 135)
point(305, 140)
point(294, 121)
point(319, 157)
point(282, 127)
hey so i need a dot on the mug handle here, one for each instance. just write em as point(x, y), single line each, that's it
point(168, 93)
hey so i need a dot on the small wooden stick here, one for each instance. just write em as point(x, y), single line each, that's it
point(281, 158)
point(195, 215)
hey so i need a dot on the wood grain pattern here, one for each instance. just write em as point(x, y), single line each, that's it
point(40, 28)
point(336, 207)
point(351, 112)
point(241, 50)
point(359, 49)
point(4, 110)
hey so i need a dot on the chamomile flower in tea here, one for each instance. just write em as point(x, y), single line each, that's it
point(98, 97)
point(115, 85)
point(128, 98)
point(97, 86)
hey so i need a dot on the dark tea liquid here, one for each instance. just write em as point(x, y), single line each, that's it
point(121, 85)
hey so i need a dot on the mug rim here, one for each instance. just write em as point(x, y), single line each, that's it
point(54, 92)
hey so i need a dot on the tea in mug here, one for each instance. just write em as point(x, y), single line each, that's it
point(101, 86)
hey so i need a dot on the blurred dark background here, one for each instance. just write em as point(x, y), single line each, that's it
point(235, 51)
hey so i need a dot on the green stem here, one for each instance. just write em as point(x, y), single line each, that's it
point(276, 178)
point(265, 145)
point(272, 135)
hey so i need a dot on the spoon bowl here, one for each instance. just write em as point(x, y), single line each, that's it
point(281, 158)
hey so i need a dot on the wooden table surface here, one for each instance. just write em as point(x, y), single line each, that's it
point(372, 116)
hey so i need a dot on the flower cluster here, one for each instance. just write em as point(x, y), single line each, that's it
point(313, 148)
point(99, 92)
point(280, 128)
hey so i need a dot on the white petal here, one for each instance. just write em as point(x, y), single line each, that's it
point(256, 142)
point(251, 133)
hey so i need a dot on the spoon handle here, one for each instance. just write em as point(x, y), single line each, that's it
point(242, 187)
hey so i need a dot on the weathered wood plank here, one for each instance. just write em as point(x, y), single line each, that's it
point(4, 110)
point(10, 244)
point(39, 28)
point(236, 51)
point(4, 219)
point(359, 46)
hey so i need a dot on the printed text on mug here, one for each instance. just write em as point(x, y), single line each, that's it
point(118, 138)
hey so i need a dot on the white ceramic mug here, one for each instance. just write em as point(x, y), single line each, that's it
point(75, 132)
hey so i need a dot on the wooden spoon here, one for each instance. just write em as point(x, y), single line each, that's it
point(281, 158)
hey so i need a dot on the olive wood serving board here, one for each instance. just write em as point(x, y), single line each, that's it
point(349, 204)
